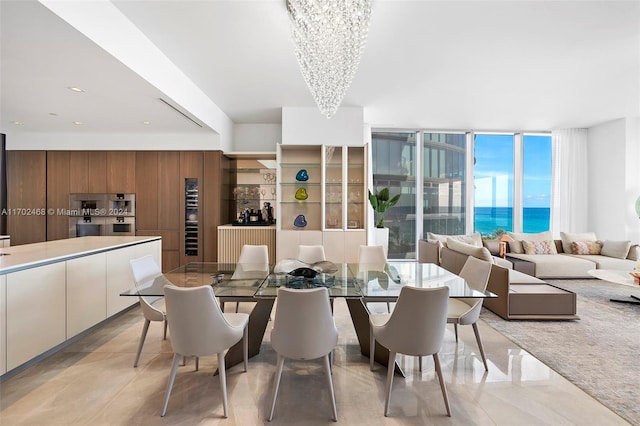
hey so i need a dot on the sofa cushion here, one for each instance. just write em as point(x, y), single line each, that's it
point(515, 246)
point(558, 266)
point(502, 262)
point(586, 247)
point(517, 277)
point(567, 238)
point(473, 239)
point(606, 262)
point(617, 249)
point(539, 247)
point(469, 249)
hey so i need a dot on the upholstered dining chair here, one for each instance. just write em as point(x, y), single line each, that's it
point(467, 311)
point(253, 258)
point(145, 269)
point(311, 254)
point(303, 329)
point(373, 258)
point(199, 328)
point(416, 327)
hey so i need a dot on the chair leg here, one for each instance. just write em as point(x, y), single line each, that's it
point(372, 348)
point(388, 308)
point(245, 347)
point(197, 363)
point(222, 306)
point(420, 362)
point(477, 333)
point(223, 382)
point(237, 306)
point(391, 369)
point(164, 337)
point(455, 329)
point(276, 385)
point(436, 360)
point(172, 377)
point(327, 367)
point(145, 328)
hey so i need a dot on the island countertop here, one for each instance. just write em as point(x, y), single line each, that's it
point(17, 258)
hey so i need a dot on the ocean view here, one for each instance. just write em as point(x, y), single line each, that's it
point(488, 219)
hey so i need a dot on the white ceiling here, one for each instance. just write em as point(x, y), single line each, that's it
point(493, 65)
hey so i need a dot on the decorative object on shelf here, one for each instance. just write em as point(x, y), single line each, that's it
point(302, 175)
point(301, 194)
point(269, 212)
point(380, 202)
point(504, 241)
point(329, 38)
point(300, 221)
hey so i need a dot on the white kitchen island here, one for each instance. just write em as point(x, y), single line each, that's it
point(51, 292)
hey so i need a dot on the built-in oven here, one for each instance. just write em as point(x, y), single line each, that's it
point(87, 204)
point(86, 226)
point(121, 204)
point(121, 225)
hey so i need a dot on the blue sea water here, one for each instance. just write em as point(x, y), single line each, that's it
point(489, 219)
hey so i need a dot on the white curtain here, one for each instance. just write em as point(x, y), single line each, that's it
point(569, 177)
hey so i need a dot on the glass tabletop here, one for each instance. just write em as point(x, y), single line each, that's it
point(341, 283)
point(384, 281)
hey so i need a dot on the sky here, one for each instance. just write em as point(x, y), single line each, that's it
point(494, 170)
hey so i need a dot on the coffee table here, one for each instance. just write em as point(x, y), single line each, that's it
point(618, 277)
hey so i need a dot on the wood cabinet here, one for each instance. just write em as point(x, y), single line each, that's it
point(87, 172)
point(121, 172)
point(215, 206)
point(147, 194)
point(57, 195)
point(26, 196)
point(3, 329)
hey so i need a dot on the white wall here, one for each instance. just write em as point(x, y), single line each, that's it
point(612, 185)
point(307, 126)
point(256, 137)
point(114, 141)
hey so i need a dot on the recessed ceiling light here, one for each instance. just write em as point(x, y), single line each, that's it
point(18, 123)
point(53, 113)
point(75, 89)
point(78, 123)
point(146, 123)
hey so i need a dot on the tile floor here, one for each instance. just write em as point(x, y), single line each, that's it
point(93, 382)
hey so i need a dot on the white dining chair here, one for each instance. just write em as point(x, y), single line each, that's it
point(373, 258)
point(467, 311)
point(199, 328)
point(311, 254)
point(303, 329)
point(416, 327)
point(252, 259)
point(145, 269)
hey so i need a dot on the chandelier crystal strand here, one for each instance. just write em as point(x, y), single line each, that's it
point(329, 38)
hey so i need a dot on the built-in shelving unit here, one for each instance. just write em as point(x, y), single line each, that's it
point(191, 217)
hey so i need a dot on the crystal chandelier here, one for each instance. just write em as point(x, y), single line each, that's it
point(329, 37)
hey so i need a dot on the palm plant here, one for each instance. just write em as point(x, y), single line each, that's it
point(380, 202)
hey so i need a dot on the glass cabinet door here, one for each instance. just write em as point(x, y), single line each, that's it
point(357, 196)
point(333, 188)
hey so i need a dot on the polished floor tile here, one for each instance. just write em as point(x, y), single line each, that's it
point(93, 382)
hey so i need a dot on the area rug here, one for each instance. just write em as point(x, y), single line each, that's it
point(600, 353)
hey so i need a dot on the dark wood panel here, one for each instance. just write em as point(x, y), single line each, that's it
point(190, 168)
point(170, 260)
point(97, 172)
point(214, 212)
point(78, 172)
point(57, 195)
point(169, 238)
point(121, 172)
point(26, 195)
point(147, 190)
point(169, 199)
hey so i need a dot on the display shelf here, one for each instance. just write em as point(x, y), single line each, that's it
point(250, 184)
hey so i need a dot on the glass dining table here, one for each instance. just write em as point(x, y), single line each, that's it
point(358, 284)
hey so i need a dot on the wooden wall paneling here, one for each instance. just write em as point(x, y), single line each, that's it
point(78, 172)
point(190, 167)
point(121, 172)
point(169, 190)
point(214, 210)
point(26, 196)
point(57, 195)
point(146, 178)
point(97, 172)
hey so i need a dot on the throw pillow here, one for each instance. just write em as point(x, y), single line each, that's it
point(585, 247)
point(539, 247)
point(518, 237)
point(634, 252)
point(469, 249)
point(567, 238)
point(473, 239)
point(617, 249)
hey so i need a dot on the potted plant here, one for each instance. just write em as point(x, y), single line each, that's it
point(381, 201)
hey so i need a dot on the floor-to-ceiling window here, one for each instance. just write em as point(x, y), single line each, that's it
point(536, 185)
point(394, 167)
